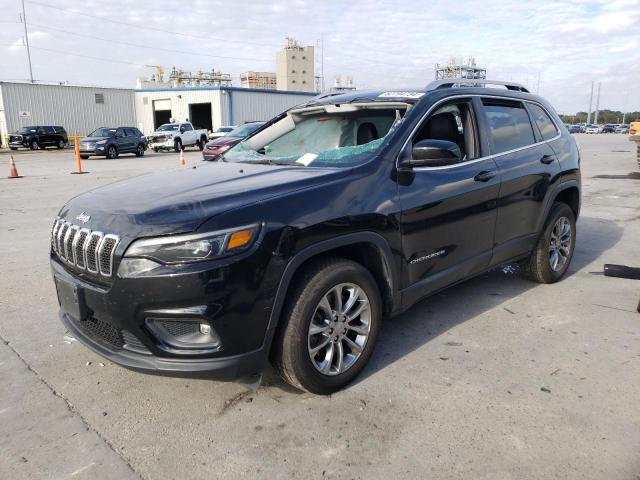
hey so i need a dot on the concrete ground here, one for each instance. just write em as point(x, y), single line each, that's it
point(496, 378)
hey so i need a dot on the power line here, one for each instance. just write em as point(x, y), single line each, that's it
point(46, 27)
point(205, 37)
point(146, 27)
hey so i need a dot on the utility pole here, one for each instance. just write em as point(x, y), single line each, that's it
point(26, 39)
point(624, 117)
point(595, 120)
point(590, 105)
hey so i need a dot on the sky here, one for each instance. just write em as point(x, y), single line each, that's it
point(554, 47)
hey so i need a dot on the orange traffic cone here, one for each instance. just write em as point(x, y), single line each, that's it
point(13, 171)
point(182, 162)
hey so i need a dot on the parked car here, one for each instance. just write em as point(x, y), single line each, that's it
point(336, 214)
point(622, 128)
point(113, 141)
point(220, 132)
point(592, 129)
point(36, 137)
point(575, 129)
point(214, 150)
point(176, 136)
point(607, 128)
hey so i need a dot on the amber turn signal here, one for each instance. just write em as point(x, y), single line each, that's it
point(239, 239)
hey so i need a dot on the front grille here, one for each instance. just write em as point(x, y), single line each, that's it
point(15, 138)
point(111, 336)
point(86, 250)
point(102, 331)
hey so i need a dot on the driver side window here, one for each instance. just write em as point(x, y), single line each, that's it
point(453, 122)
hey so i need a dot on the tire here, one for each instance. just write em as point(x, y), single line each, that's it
point(541, 266)
point(156, 149)
point(292, 355)
point(33, 145)
point(139, 150)
point(177, 145)
point(61, 144)
point(84, 157)
point(112, 152)
point(202, 143)
point(13, 148)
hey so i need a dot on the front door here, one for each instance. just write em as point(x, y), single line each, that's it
point(448, 213)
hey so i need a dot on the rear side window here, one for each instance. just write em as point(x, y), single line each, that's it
point(509, 124)
point(547, 128)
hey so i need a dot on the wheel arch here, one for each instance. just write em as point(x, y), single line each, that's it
point(566, 192)
point(369, 249)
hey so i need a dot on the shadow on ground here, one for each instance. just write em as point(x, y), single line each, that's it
point(432, 317)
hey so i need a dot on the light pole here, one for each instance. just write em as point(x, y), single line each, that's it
point(26, 39)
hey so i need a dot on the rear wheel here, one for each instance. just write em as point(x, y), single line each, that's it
point(140, 150)
point(332, 322)
point(202, 143)
point(552, 254)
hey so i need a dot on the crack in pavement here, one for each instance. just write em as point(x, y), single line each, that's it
point(70, 407)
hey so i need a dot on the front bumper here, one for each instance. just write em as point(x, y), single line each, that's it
point(115, 319)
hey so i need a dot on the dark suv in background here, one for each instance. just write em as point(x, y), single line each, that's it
point(112, 141)
point(38, 137)
point(338, 213)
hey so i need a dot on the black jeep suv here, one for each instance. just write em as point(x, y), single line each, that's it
point(38, 137)
point(332, 216)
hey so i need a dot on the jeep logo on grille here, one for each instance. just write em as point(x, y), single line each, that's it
point(83, 217)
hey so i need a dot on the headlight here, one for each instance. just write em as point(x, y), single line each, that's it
point(147, 254)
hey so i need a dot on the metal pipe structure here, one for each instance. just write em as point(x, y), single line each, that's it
point(595, 120)
point(590, 105)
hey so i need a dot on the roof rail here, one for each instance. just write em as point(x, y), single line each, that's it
point(473, 82)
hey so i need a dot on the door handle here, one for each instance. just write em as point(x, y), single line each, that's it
point(547, 159)
point(485, 176)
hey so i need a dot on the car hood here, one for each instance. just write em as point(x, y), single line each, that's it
point(180, 200)
point(220, 142)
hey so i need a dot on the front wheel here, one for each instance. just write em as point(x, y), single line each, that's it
point(84, 157)
point(177, 146)
point(331, 325)
point(13, 148)
point(140, 150)
point(112, 152)
point(552, 254)
point(33, 145)
point(60, 144)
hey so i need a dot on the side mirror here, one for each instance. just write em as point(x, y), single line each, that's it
point(433, 153)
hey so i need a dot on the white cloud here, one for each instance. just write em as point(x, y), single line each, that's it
point(380, 42)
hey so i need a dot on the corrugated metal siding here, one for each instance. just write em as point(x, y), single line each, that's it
point(72, 107)
point(259, 106)
point(249, 105)
point(180, 101)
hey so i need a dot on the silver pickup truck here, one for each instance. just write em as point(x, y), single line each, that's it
point(176, 136)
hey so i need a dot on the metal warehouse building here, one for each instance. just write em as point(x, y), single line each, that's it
point(211, 107)
point(79, 110)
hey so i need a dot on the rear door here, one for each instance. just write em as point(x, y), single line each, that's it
point(122, 141)
point(448, 213)
point(527, 166)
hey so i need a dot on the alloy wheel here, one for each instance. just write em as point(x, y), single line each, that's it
point(339, 329)
point(560, 244)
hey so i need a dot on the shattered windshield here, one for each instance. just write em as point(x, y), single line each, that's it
point(329, 135)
